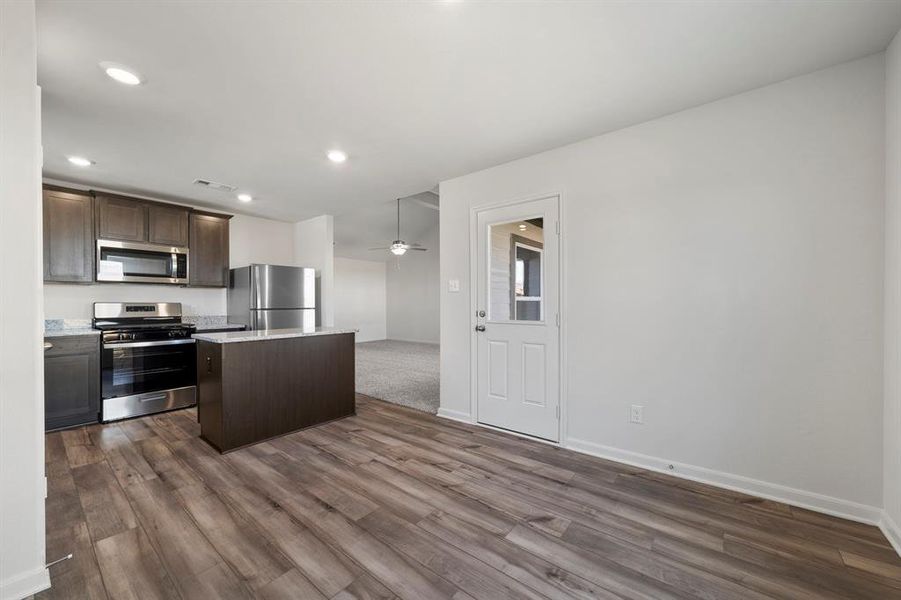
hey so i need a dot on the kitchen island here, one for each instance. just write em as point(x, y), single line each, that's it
point(256, 385)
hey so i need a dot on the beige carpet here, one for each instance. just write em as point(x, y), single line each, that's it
point(404, 373)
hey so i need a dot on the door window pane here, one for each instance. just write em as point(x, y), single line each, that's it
point(515, 271)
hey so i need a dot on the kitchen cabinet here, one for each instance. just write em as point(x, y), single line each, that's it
point(254, 389)
point(74, 221)
point(120, 218)
point(208, 258)
point(71, 380)
point(167, 225)
point(134, 220)
point(68, 236)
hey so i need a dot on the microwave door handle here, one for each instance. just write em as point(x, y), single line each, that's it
point(174, 268)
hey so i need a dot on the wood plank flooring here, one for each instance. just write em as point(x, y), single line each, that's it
point(393, 503)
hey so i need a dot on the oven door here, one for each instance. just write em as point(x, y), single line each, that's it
point(143, 263)
point(131, 368)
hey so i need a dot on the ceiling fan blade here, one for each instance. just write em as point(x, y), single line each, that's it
point(420, 249)
point(385, 248)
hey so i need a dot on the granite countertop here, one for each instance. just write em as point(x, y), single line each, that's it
point(268, 334)
point(207, 322)
point(61, 327)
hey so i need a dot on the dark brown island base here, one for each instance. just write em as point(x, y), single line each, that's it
point(257, 385)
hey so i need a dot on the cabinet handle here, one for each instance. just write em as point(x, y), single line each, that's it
point(47, 346)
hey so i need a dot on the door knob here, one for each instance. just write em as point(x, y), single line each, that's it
point(480, 328)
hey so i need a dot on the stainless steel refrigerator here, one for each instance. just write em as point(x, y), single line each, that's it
point(272, 297)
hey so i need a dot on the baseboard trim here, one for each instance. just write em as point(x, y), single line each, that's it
point(837, 507)
point(829, 505)
point(455, 415)
point(891, 531)
point(25, 584)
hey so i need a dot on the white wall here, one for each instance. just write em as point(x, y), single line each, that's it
point(69, 301)
point(251, 240)
point(413, 293)
point(360, 297)
point(263, 241)
point(723, 267)
point(892, 368)
point(314, 246)
point(22, 558)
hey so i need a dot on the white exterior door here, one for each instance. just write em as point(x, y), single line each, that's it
point(517, 320)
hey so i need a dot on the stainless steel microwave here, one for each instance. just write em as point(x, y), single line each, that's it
point(141, 263)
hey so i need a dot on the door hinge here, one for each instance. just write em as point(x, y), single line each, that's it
point(557, 227)
point(558, 411)
point(557, 319)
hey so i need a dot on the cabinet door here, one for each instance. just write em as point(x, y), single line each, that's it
point(71, 381)
point(68, 237)
point(121, 219)
point(208, 264)
point(168, 225)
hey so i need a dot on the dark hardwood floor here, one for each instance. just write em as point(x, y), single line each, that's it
point(395, 503)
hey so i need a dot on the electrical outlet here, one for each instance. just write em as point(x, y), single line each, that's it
point(635, 414)
point(453, 285)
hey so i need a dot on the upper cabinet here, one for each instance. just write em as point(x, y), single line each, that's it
point(208, 256)
point(168, 225)
point(121, 219)
point(74, 221)
point(133, 220)
point(68, 236)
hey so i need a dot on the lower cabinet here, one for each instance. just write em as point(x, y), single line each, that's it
point(71, 380)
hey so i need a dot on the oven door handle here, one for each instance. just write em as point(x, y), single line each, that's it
point(149, 344)
point(152, 397)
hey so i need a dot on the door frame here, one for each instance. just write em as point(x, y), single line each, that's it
point(561, 310)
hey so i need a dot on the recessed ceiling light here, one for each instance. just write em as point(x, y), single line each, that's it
point(522, 227)
point(120, 73)
point(79, 161)
point(337, 156)
point(245, 197)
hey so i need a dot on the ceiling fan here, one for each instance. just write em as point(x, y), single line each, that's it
point(399, 247)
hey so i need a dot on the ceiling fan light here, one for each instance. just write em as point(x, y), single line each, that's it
point(397, 249)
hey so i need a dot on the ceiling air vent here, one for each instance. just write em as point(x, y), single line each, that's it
point(215, 185)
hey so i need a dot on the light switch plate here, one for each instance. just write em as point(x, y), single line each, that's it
point(453, 285)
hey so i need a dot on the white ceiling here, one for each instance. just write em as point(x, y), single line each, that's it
point(375, 226)
point(254, 93)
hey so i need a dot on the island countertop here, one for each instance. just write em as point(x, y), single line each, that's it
point(229, 337)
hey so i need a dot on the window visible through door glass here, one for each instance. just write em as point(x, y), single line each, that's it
point(515, 276)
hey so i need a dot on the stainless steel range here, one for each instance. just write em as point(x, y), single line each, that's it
point(148, 359)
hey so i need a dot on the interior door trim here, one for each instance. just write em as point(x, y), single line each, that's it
point(562, 434)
